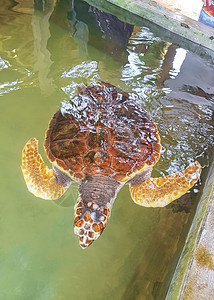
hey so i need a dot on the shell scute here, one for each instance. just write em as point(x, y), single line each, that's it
point(120, 149)
point(98, 139)
point(119, 176)
point(67, 148)
point(64, 127)
point(121, 165)
point(138, 166)
point(74, 164)
point(94, 169)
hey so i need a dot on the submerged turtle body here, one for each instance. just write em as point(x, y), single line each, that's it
point(102, 131)
point(103, 139)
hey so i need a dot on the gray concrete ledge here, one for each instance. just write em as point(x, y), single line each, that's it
point(148, 18)
point(172, 21)
point(180, 284)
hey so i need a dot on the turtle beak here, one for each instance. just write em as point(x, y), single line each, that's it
point(89, 222)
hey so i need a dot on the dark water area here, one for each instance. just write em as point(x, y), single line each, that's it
point(45, 53)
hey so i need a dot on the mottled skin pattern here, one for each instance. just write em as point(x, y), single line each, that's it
point(103, 139)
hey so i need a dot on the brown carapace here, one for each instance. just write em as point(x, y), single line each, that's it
point(103, 139)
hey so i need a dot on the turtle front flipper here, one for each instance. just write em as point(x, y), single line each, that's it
point(159, 192)
point(40, 180)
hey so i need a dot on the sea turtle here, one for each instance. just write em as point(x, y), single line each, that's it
point(103, 139)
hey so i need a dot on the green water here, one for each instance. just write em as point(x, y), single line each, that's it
point(41, 64)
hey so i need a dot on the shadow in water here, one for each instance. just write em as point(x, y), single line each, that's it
point(90, 26)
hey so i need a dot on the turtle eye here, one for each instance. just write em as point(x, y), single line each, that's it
point(89, 222)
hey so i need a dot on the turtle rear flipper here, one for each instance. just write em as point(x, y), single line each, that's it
point(40, 180)
point(159, 192)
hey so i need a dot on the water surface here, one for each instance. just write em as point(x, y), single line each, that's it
point(43, 57)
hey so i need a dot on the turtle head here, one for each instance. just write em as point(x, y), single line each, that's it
point(90, 220)
point(93, 208)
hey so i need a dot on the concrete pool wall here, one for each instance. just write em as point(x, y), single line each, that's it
point(166, 18)
point(194, 275)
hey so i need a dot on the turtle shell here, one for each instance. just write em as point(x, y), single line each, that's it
point(102, 130)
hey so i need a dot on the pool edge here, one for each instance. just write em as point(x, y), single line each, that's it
point(173, 21)
point(180, 277)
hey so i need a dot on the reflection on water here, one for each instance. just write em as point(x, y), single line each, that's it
point(135, 259)
point(105, 32)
